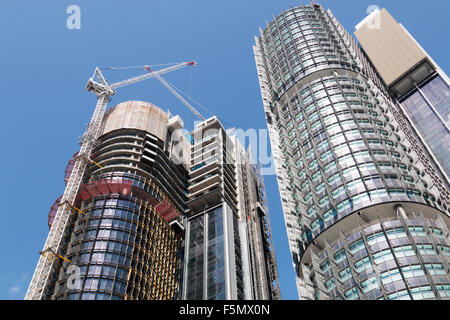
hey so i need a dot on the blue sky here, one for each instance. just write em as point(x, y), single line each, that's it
point(44, 69)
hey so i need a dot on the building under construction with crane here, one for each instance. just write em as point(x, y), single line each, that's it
point(152, 213)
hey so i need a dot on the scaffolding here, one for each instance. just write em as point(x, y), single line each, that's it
point(271, 260)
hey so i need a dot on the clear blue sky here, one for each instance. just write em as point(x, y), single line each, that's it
point(44, 68)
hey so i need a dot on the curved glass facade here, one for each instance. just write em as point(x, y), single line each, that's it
point(387, 259)
point(337, 147)
point(125, 250)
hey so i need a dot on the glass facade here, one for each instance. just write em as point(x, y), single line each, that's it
point(110, 249)
point(206, 273)
point(392, 259)
point(338, 149)
point(215, 271)
point(429, 110)
point(206, 262)
point(227, 255)
point(195, 265)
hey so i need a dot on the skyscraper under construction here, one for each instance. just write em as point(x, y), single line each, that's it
point(229, 252)
point(366, 217)
point(149, 222)
point(126, 240)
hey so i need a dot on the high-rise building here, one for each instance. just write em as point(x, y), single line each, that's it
point(150, 223)
point(127, 240)
point(364, 216)
point(229, 254)
point(419, 86)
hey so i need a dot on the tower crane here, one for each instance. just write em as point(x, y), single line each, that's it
point(100, 87)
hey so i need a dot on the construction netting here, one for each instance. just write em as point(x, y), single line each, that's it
point(116, 185)
point(52, 213)
point(69, 168)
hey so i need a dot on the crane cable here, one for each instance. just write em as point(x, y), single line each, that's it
point(198, 103)
point(179, 90)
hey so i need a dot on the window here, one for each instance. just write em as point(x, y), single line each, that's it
point(396, 233)
point(316, 175)
point(334, 178)
point(330, 214)
point(341, 207)
point(345, 274)
point(351, 294)
point(413, 271)
point(402, 252)
point(310, 153)
point(330, 284)
point(325, 266)
point(302, 174)
point(426, 249)
point(323, 201)
point(363, 264)
point(323, 144)
point(401, 295)
point(304, 185)
point(438, 233)
point(327, 154)
point(370, 284)
point(336, 193)
point(339, 256)
point(358, 184)
point(417, 231)
point(444, 290)
point(315, 225)
point(435, 269)
point(337, 139)
point(383, 256)
point(390, 276)
point(357, 246)
point(422, 293)
point(444, 249)
point(347, 161)
point(310, 211)
point(308, 197)
point(330, 166)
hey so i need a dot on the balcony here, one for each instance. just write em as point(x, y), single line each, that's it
point(210, 178)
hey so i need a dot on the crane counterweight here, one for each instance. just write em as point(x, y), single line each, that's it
point(98, 88)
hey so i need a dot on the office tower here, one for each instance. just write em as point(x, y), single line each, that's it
point(126, 242)
point(364, 218)
point(126, 238)
point(420, 88)
point(229, 254)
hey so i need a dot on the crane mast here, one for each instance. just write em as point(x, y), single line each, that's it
point(98, 85)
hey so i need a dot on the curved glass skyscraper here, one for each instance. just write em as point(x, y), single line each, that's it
point(364, 220)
